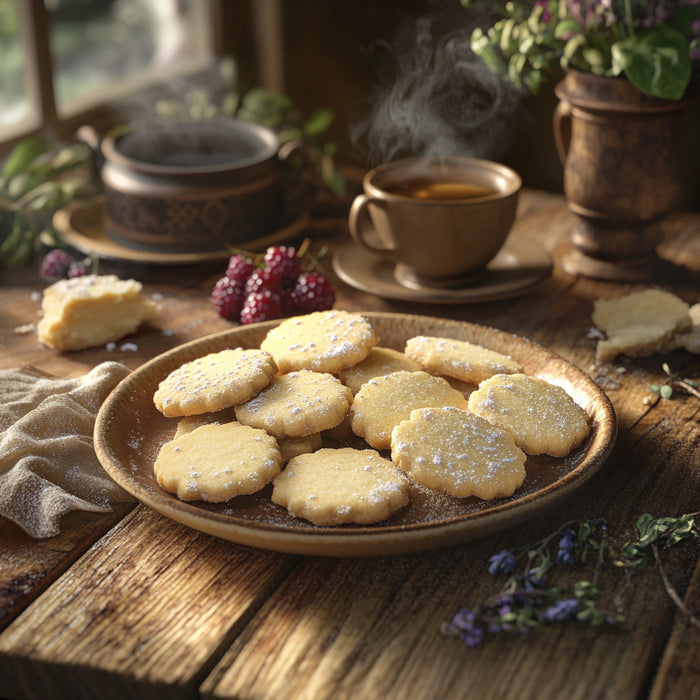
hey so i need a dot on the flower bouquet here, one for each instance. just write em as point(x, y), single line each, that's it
point(655, 44)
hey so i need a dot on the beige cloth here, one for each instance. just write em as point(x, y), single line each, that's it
point(48, 465)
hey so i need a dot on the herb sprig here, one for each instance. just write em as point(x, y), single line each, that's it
point(674, 381)
point(529, 599)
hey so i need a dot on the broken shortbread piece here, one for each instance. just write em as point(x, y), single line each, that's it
point(690, 340)
point(640, 323)
point(88, 311)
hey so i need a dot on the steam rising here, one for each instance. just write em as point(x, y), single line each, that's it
point(439, 99)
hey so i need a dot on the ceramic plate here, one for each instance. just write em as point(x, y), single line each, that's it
point(520, 265)
point(129, 432)
point(82, 228)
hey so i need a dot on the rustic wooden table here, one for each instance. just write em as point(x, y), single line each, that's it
point(131, 604)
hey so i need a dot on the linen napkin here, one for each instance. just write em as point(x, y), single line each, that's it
point(48, 465)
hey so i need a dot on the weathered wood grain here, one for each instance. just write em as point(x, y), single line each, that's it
point(679, 675)
point(134, 605)
point(148, 607)
point(28, 566)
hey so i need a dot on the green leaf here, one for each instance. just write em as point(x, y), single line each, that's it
point(571, 48)
point(22, 155)
point(565, 27)
point(506, 44)
point(656, 61)
point(318, 122)
point(666, 391)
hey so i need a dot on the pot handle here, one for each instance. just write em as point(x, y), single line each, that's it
point(91, 138)
point(562, 129)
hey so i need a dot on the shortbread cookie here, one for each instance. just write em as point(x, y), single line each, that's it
point(459, 359)
point(342, 432)
point(383, 402)
point(216, 462)
point(690, 339)
point(459, 453)
point(294, 446)
point(338, 486)
point(541, 417)
point(323, 341)
point(214, 382)
point(92, 310)
point(379, 362)
point(189, 423)
point(297, 404)
point(640, 323)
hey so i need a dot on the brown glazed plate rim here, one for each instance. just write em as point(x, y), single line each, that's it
point(129, 432)
point(81, 226)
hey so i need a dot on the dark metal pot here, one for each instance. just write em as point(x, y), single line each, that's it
point(190, 186)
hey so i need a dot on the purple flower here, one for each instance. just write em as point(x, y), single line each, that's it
point(561, 610)
point(547, 13)
point(502, 563)
point(567, 545)
point(463, 625)
point(535, 578)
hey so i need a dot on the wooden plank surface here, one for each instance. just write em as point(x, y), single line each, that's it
point(138, 606)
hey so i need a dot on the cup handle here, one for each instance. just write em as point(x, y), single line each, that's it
point(562, 129)
point(360, 223)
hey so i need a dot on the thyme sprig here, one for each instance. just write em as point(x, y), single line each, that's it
point(528, 599)
point(674, 381)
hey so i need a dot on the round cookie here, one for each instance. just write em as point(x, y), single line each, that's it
point(188, 423)
point(337, 486)
point(379, 362)
point(459, 453)
point(459, 359)
point(297, 404)
point(216, 462)
point(294, 446)
point(541, 417)
point(323, 341)
point(383, 402)
point(214, 382)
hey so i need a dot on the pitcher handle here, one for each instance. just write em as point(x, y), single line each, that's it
point(562, 129)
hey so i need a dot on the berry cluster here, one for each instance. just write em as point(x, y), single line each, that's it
point(274, 287)
point(57, 264)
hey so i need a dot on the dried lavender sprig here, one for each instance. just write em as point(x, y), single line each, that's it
point(525, 602)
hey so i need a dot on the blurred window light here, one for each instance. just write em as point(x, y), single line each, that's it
point(59, 58)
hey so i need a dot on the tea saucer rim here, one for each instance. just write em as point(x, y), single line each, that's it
point(369, 272)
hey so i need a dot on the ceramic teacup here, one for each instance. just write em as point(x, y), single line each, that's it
point(439, 220)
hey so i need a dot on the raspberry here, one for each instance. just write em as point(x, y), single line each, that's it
point(55, 264)
point(80, 268)
point(239, 268)
point(312, 292)
point(261, 306)
point(228, 297)
point(284, 262)
point(264, 280)
point(288, 303)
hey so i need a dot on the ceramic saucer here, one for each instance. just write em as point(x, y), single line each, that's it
point(82, 228)
point(520, 265)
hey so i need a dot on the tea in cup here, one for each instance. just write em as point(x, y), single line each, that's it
point(439, 220)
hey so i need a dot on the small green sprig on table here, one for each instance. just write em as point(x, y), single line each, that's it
point(674, 381)
point(529, 599)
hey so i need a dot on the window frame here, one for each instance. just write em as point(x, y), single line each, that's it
point(44, 115)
